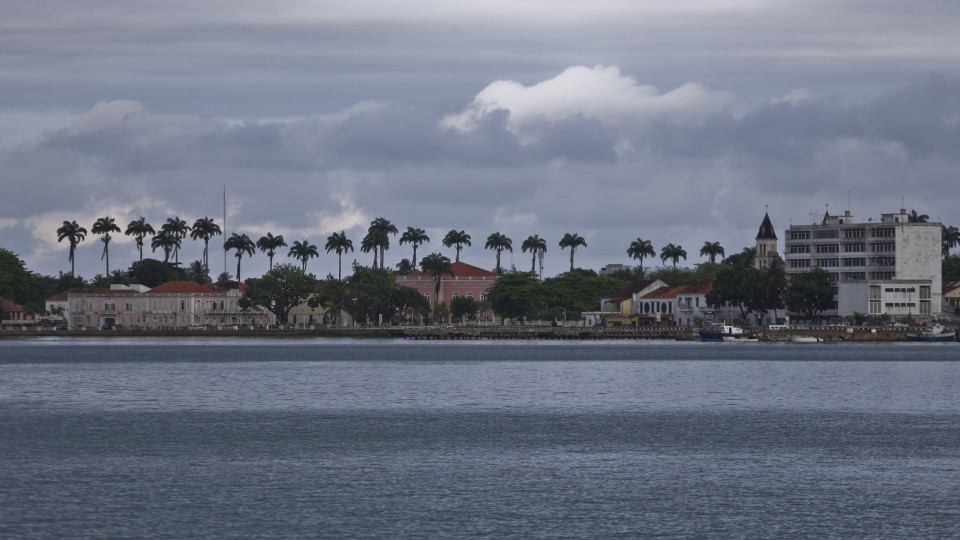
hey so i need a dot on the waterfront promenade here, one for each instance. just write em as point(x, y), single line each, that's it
point(456, 333)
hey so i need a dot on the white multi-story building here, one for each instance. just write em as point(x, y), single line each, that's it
point(890, 266)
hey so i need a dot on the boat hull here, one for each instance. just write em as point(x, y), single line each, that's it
point(934, 338)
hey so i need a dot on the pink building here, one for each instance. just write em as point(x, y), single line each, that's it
point(467, 280)
point(175, 304)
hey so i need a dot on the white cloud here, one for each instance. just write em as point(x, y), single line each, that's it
point(600, 94)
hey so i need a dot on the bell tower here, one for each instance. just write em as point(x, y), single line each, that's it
point(766, 245)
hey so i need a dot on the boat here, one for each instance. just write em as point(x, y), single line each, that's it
point(725, 332)
point(746, 338)
point(934, 333)
point(805, 339)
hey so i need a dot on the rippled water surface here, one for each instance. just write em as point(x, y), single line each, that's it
point(175, 438)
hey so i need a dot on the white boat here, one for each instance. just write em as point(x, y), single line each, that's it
point(805, 339)
point(935, 332)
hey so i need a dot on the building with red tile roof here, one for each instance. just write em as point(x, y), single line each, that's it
point(13, 314)
point(467, 280)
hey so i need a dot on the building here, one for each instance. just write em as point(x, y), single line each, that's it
point(175, 304)
point(886, 267)
point(467, 280)
point(613, 268)
point(619, 308)
point(766, 245)
point(13, 314)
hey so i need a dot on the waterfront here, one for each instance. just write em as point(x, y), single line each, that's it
point(389, 438)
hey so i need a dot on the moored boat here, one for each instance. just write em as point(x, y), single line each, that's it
point(805, 339)
point(725, 332)
point(934, 333)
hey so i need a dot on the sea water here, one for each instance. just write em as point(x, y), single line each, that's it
point(249, 438)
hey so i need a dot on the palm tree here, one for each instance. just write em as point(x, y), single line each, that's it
point(166, 241)
point(179, 229)
point(405, 267)
point(139, 228)
point(572, 241)
point(371, 242)
point(199, 272)
point(436, 265)
point(303, 251)
point(74, 234)
point(640, 249)
point(950, 238)
point(458, 239)
point(339, 242)
point(499, 242)
point(243, 245)
point(105, 226)
point(384, 229)
point(205, 228)
point(914, 217)
point(712, 249)
point(537, 247)
point(270, 244)
point(415, 236)
point(674, 253)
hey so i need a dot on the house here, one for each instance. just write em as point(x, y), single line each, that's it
point(12, 314)
point(467, 280)
point(619, 308)
point(886, 267)
point(951, 297)
point(175, 304)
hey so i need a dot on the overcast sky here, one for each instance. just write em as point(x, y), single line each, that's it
point(674, 121)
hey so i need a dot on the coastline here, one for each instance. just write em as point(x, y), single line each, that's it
point(459, 333)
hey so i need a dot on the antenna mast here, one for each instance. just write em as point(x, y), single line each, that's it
point(224, 228)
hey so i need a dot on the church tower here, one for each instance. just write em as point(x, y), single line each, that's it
point(766, 245)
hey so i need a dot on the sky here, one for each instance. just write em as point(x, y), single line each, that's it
point(672, 121)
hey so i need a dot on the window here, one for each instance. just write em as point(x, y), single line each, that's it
point(855, 261)
point(856, 247)
point(800, 248)
point(828, 263)
point(799, 263)
point(799, 235)
point(882, 232)
point(853, 233)
point(828, 248)
point(826, 233)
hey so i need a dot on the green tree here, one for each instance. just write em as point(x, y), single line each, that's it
point(744, 258)
point(334, 298)
point(374, 292)
point(242, 245)
point(73, 234)
point(640, 249)
point(340, 243)
point(516, 295)
point(457, 239)
point(281, 289)
point(140, 229)
point(712, 250)
point(199, 272)
point(303, 251)
point(441, 312)
point(951, 269)
point(178, 229)
point(950, 238)
point(810, 293)
point(914, 217)
point(498, 242)
point(416, 237)
point(269, 244)
point(576, 292)
point(152, 273)
point(104, 226)
point(572, 241)
point(17, 284)
point(537, 247)
point(462, 306)
point(405, 267)
point(206, 229)
point(437, 266)
point(736, 286)
point(673, 253)
point(371, 242)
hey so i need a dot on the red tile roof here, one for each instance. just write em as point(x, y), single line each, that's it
point(180, 287)
point(702, 286)
point(7, 306)
point(460, 269)
point(630, 289)
point(664, 292)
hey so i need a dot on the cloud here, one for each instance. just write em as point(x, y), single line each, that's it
point(600, 94)
point(587, 150)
